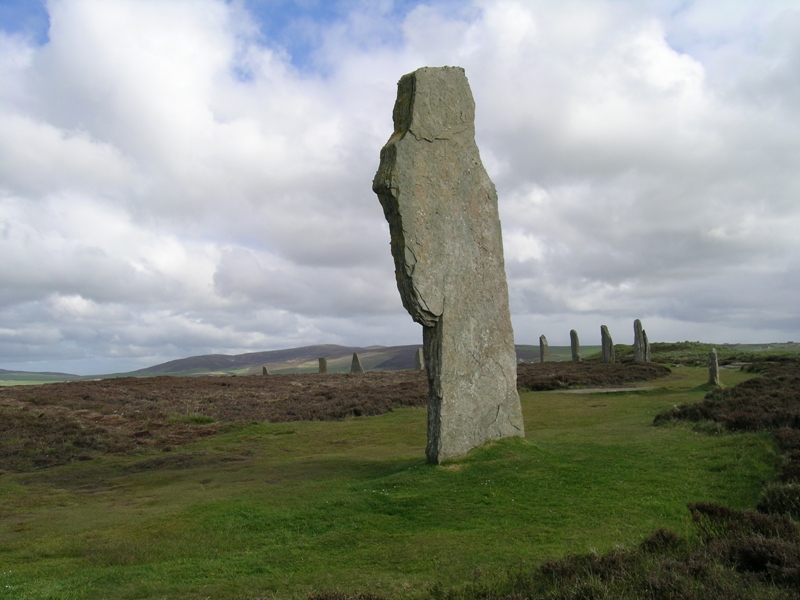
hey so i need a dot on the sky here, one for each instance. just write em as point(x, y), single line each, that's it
point(185, 177)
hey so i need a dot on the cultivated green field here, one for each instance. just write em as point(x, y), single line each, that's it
point(285, 509)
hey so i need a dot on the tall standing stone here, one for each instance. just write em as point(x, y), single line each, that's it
point(646, 343)
point(607, 345)
point(323, 365)
point(264, 371)
point(419, 360)
point(713, 368)
point(542, 348)
point(575, 345)
point(448, 254)
point(355, 366)
point(638, 341)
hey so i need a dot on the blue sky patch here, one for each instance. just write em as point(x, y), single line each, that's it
point(25, 17)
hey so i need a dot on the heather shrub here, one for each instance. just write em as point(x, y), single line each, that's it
point(780, 498)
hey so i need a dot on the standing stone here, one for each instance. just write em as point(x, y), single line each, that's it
point(542, 348)
point(638, 341)
point(713, 368)
point(646, 343)
point(575, 346)
point(323, 365)
point(448, 254)
point(355, 366)
point(419, 360)
point(264, 371)
point(607, 344)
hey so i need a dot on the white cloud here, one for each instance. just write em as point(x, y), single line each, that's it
point(171, 183)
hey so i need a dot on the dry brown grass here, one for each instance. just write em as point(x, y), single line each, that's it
point(52, 424)
point(556, 375)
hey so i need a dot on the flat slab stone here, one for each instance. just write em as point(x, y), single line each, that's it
point(448, 253)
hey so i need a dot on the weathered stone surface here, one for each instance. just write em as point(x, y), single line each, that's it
point(542, 348)
point(638, 341)
point(575, 345)
point(607, 345)
point(646, 343)
point(323, 365)
point(355, 366)
point(419, 360)
point(448, 252)
point(713, 368)
point(264, 371)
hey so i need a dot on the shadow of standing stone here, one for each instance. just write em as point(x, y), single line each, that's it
point(448, 253)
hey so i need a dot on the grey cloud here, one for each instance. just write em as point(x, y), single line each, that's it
point(153, 204)
point(309, 291)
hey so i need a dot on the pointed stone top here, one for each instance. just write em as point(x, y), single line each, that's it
point(355, 366)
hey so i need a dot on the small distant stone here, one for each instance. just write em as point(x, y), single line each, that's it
point(355, 366)
point(575, 346)
point(638, 341)
point(607, 344)
point(264, 371)
point(419, 360)
point(713, 368)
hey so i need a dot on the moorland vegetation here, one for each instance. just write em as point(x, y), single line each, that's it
point(211, 490)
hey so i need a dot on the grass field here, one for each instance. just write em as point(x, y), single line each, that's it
point(287, 509)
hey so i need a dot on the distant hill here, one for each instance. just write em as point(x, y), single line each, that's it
point(306, 360)
point(6, 372)
point(292, 360)
point(373, 358)
point(30, 377)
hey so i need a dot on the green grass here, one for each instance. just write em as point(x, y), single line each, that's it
point(285, 509)
point(33, 378)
